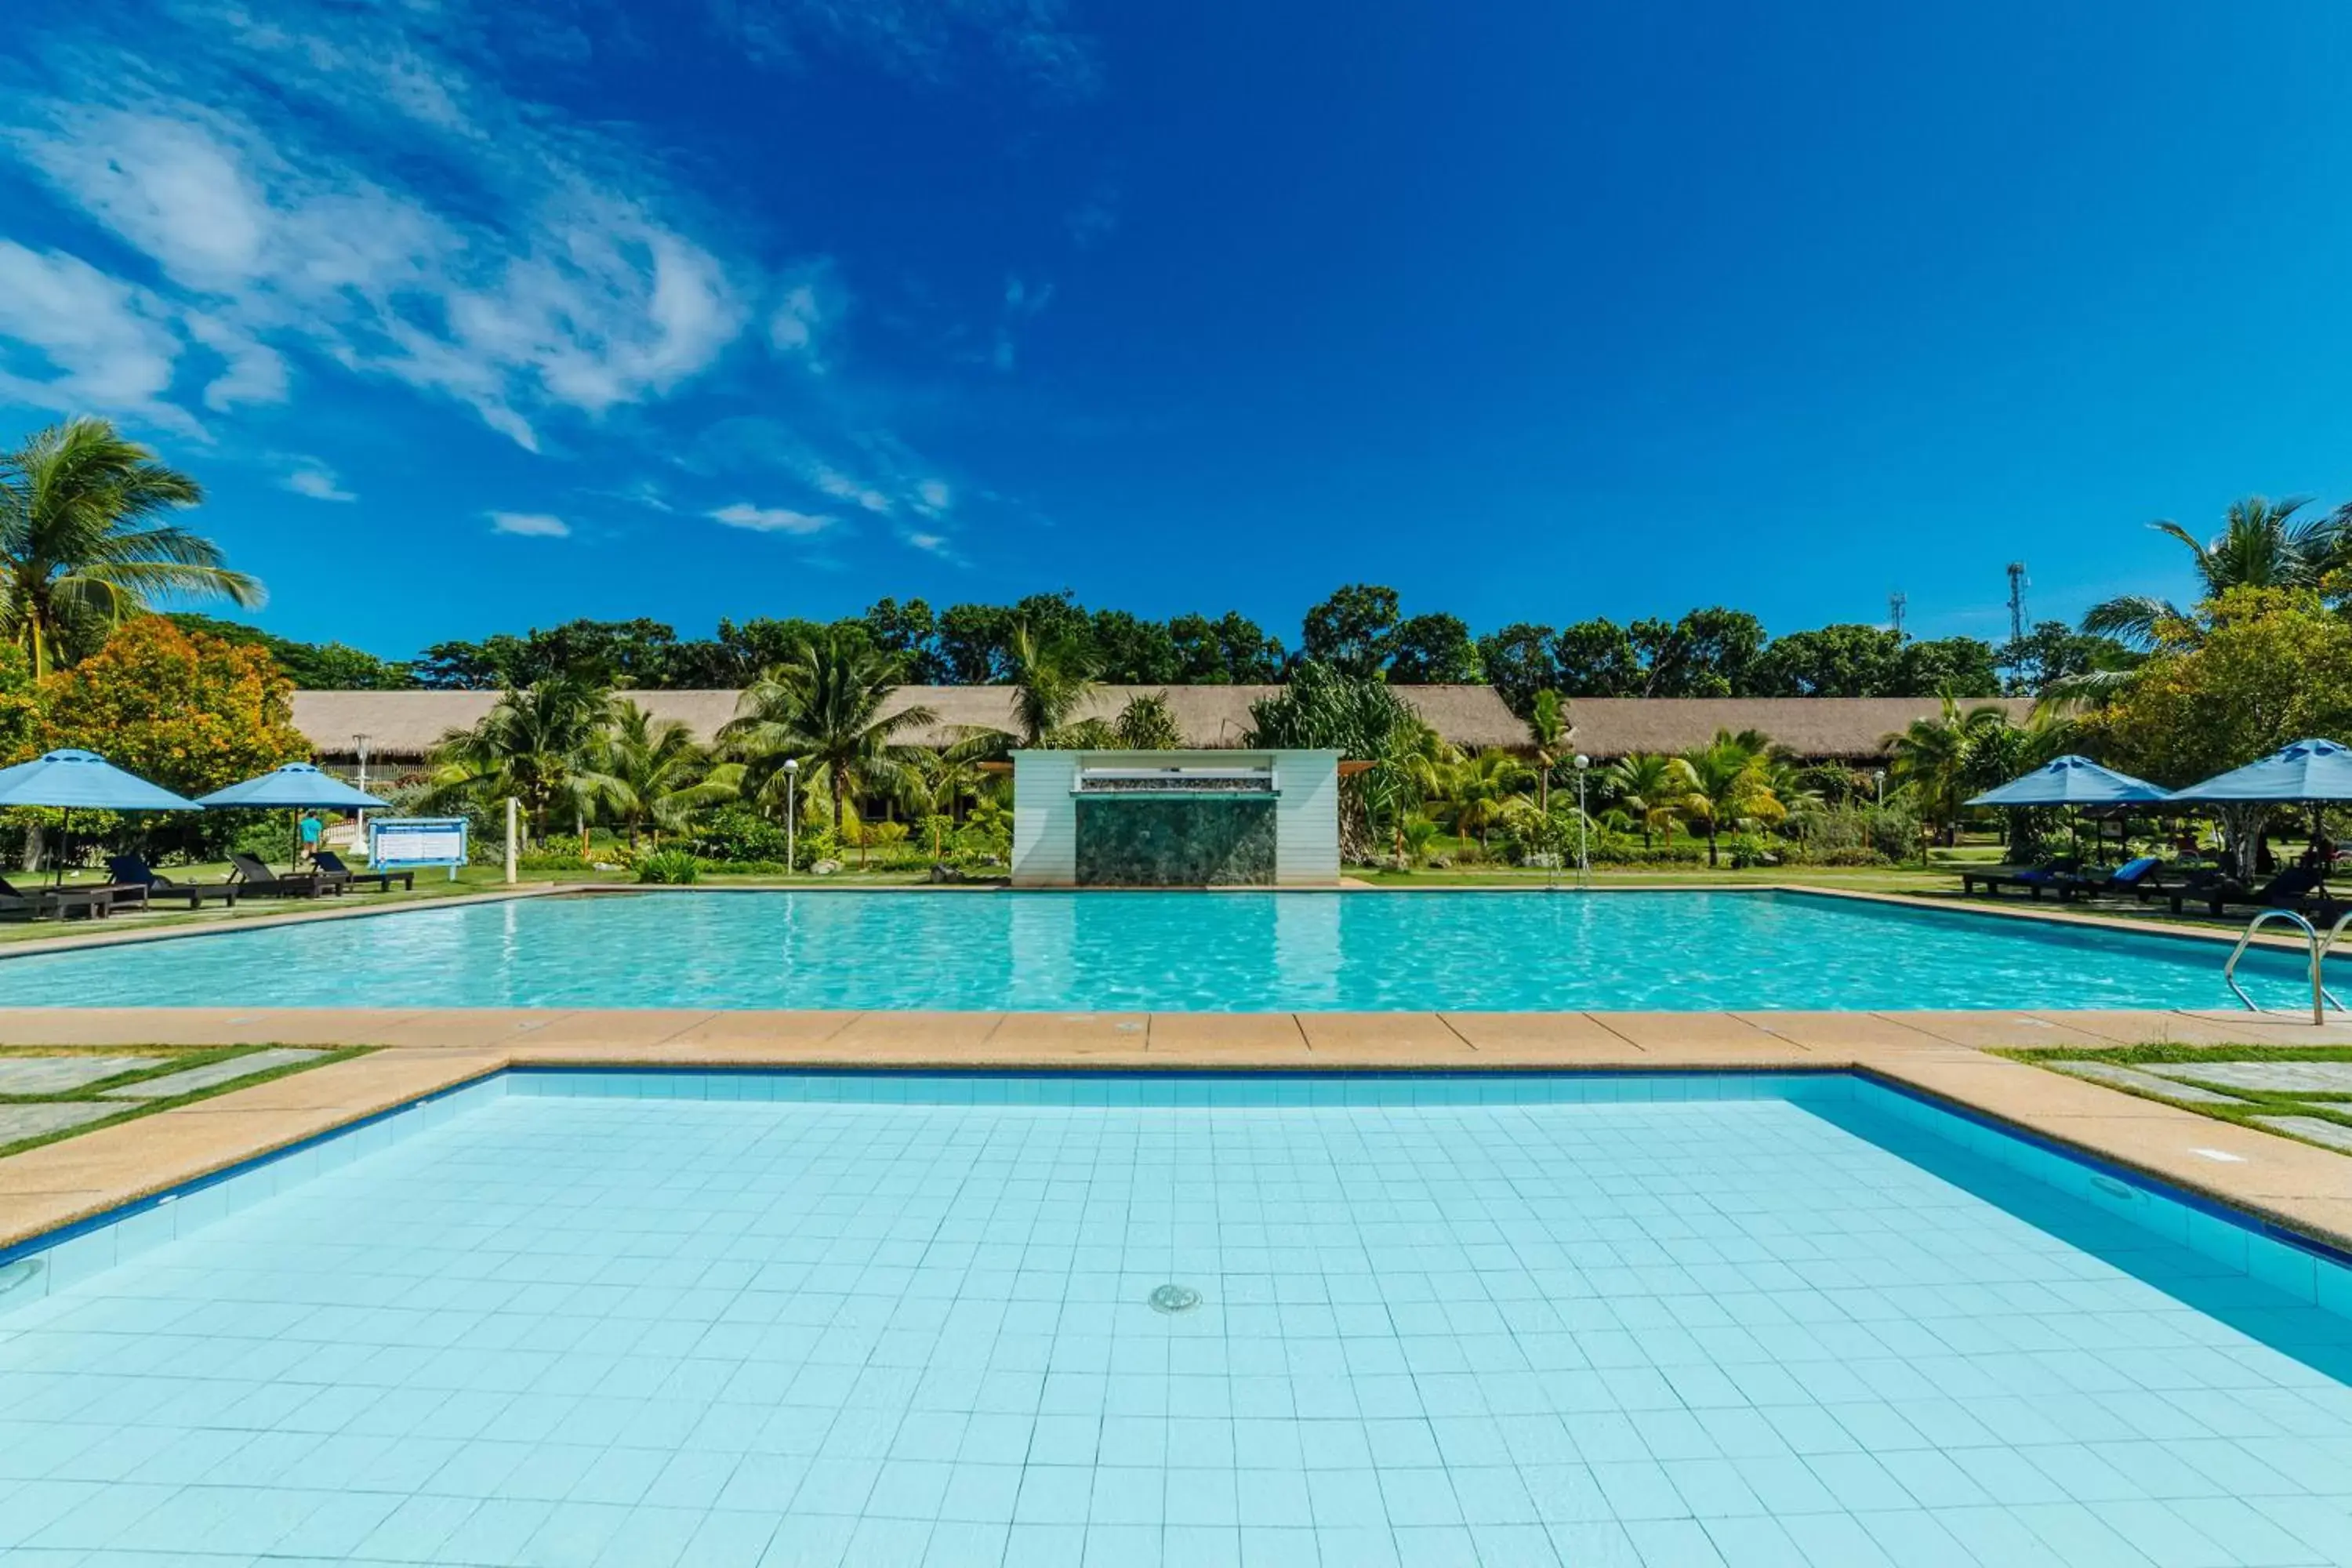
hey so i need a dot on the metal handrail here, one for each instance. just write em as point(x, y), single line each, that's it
point(2321, 998)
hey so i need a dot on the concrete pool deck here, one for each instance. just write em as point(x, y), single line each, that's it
point(421, 1052)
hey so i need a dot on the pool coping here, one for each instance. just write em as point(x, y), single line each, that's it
point(2292, 1185)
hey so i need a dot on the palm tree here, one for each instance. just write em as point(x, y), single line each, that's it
point(1936, 759)
point(1644, 785)
point(951, 777)
point(537, 745)
point(1726, 783)
point(823, 706)
point(82, 546)
point(1050, 680)
point(2260, 545)
point(1479, 788)
point(654, 767)
point(1548, 731)
point(1148, 724)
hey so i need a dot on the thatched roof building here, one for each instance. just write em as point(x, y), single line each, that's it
point(402, 726)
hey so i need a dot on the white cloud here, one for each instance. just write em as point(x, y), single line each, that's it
point(934, 544)
point(552, 282)
point(314, 478)
point(104, 344)
point(529, 524)
point(771, 520)
point(933, 496)
point(843, 486)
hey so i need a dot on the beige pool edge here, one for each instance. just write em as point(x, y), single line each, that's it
point(421, 1052)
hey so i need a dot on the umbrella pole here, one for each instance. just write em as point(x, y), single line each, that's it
point(65, 836)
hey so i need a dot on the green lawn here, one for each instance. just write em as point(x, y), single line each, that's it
point(2253, 1102)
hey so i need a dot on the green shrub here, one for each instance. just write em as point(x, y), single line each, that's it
point(672, 866)
point(736, 833)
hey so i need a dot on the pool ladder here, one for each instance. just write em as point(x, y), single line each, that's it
point(2321, 998)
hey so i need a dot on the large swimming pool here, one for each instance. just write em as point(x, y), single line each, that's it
point(1162, 951)
point(686, 1320)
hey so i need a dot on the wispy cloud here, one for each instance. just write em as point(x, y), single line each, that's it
point(529, 524)
point(313, 478)
point(88, 341)
point(771, 518)
point(1030, 44)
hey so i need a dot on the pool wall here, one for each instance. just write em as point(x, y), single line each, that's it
point(2240, 1244)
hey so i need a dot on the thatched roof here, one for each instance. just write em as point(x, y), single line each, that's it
point(402, 726)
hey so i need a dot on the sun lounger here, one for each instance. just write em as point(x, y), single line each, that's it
point(259, 882)
point(2139, 878)
point(2296, 888)
point(132, 871)
point(334, 876)
point(2035, 879)
point(93, 903)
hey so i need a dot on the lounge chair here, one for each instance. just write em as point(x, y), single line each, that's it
point(257, 880)
point(2058, 877)
point(2296, 888)
point(334, 876)
point(95, 903)
point(132, 871)
point(2141, 878)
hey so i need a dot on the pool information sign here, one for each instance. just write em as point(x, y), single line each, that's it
point(402, 843)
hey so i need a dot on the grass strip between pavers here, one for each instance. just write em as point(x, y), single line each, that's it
point(174, 1059)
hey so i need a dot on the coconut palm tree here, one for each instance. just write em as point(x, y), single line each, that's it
point(653, 766)
point(83, 544)
point(1937, 760)
point(1726, 783)
point(540, 744)
point(1051, 679)
point(2262, 545)
point(1547, 732)
point(1479, 788)
point(1644, 786)
point(823, 707)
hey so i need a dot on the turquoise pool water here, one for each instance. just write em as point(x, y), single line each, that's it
point(1167, 952)
point(719, 1320)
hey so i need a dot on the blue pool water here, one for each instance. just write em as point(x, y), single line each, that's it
point(1772, 1321)
point(1166, 952)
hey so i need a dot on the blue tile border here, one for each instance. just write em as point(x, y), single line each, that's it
point(2304, 1267)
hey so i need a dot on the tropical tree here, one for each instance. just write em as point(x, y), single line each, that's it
point(1361, 718)
point(191, 714)
point(1547, 732)
point(651, 768)
point(1940, 761)
point(1726, 783)
point(1478, 788)
point(538, 744)
point(1051, 677)
point(951, 777)
point(823, 707)
point(1646, 785)
point(84, 545)
point(2263, 544)
point(1148, 724)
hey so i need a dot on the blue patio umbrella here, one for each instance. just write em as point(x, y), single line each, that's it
point(296, 787)
point(2073, 781)
point(2076, 782)
point(2306, 771)
point(72, 778)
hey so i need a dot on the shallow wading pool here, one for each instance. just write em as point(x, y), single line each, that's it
point(1162, 951)
point(662, 1318)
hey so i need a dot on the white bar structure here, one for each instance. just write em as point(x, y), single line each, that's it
point(1047, 787)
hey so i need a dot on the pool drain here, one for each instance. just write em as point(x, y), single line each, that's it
point(1174, 1299)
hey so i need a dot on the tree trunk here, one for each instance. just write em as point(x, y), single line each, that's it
point(1711, 861)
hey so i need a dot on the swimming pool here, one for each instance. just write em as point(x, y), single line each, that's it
point(1165, 951)
point(653, 1318)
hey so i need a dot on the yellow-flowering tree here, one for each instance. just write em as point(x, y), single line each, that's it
point(189, 712)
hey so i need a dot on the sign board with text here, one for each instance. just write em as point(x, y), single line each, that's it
point(403, 843)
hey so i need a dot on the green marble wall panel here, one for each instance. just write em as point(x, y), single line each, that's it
point(1218, 841)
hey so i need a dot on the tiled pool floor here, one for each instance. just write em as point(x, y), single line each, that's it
point(648, 1332)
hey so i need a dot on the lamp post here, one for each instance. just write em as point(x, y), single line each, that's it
point(359, 819)
point(792, 813)
point(1878, 782)
point(1583, 856)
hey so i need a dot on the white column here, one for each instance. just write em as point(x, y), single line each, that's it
point(513, 811)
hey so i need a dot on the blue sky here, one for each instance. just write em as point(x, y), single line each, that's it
point(478, 316)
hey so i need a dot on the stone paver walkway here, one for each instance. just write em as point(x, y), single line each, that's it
point(2335, 1134)
point(63, 1075)
point(172, 1085)
point(2130, 1078)
point(20, 1122)
point(2275, 1077)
